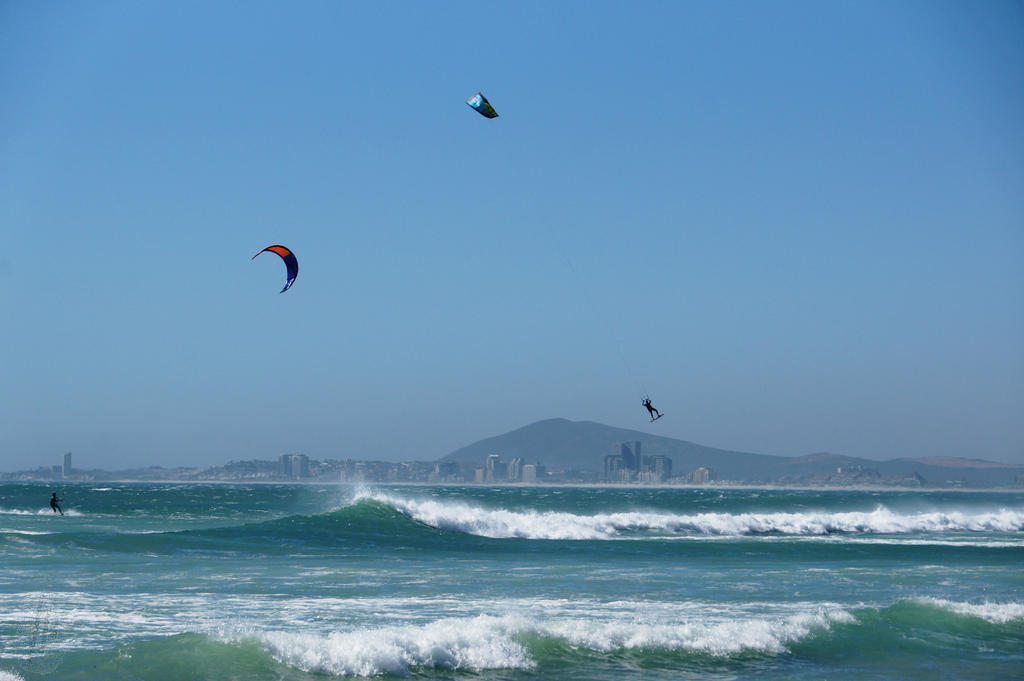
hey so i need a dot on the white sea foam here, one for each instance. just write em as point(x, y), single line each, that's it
point(711, 638)
point(476, 644)
point(8, 676)
point(41, 511)
point(370, 636)
point(489, 642)
point(980, 544)
point(999, 613)
point(528, 524)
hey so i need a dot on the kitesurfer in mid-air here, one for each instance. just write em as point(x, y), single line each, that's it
point(53, 503)
point(651, 410)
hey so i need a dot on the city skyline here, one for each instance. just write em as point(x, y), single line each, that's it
point(626, 464)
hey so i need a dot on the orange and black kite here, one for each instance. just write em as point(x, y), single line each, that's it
point(289, 261)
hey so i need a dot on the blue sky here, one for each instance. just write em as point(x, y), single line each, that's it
point(798, 225)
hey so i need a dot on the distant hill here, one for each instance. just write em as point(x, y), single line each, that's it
point(953, 462)
point(582, 446)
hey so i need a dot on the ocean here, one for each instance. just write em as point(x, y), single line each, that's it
point(312, 582)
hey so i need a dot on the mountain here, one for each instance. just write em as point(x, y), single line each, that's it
point(582, 446)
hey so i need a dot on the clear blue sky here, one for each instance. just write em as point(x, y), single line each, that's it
point(798, 225)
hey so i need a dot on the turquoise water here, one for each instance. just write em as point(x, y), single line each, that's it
point(303, 582)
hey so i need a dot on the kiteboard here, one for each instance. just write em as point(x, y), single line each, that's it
point(656, 418)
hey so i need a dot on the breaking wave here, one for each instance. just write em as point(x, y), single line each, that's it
point(511, 642)
point(682, 639)
point(996, 613)
point(528, 524)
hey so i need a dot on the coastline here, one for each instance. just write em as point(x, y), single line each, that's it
point(552, 485)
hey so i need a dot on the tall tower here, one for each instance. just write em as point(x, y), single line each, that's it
point(300, 466)
point(515, 470)
point(631, 455)
point(66, 468)
point(494, 469)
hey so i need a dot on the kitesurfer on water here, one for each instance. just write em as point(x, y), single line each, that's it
point(53, 503)
point(651, 410)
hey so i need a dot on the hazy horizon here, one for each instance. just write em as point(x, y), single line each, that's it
point(78, 465)
point(799, 227)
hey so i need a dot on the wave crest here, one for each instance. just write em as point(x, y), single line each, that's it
point(503, 523)
point(476, 644)
point(996, 613)
point(489, 642)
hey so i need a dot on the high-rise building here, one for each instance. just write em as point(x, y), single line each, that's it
point(657, 468)
point(631, 455)
point(445, 472)
point(293, 466)
point(66, 468)
point(494, 469)
point(613, 468)
point(533, 472)
point(702, 475)
point(300, 466)
point(624, 463)
point(661, 466)
point(515, 470)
